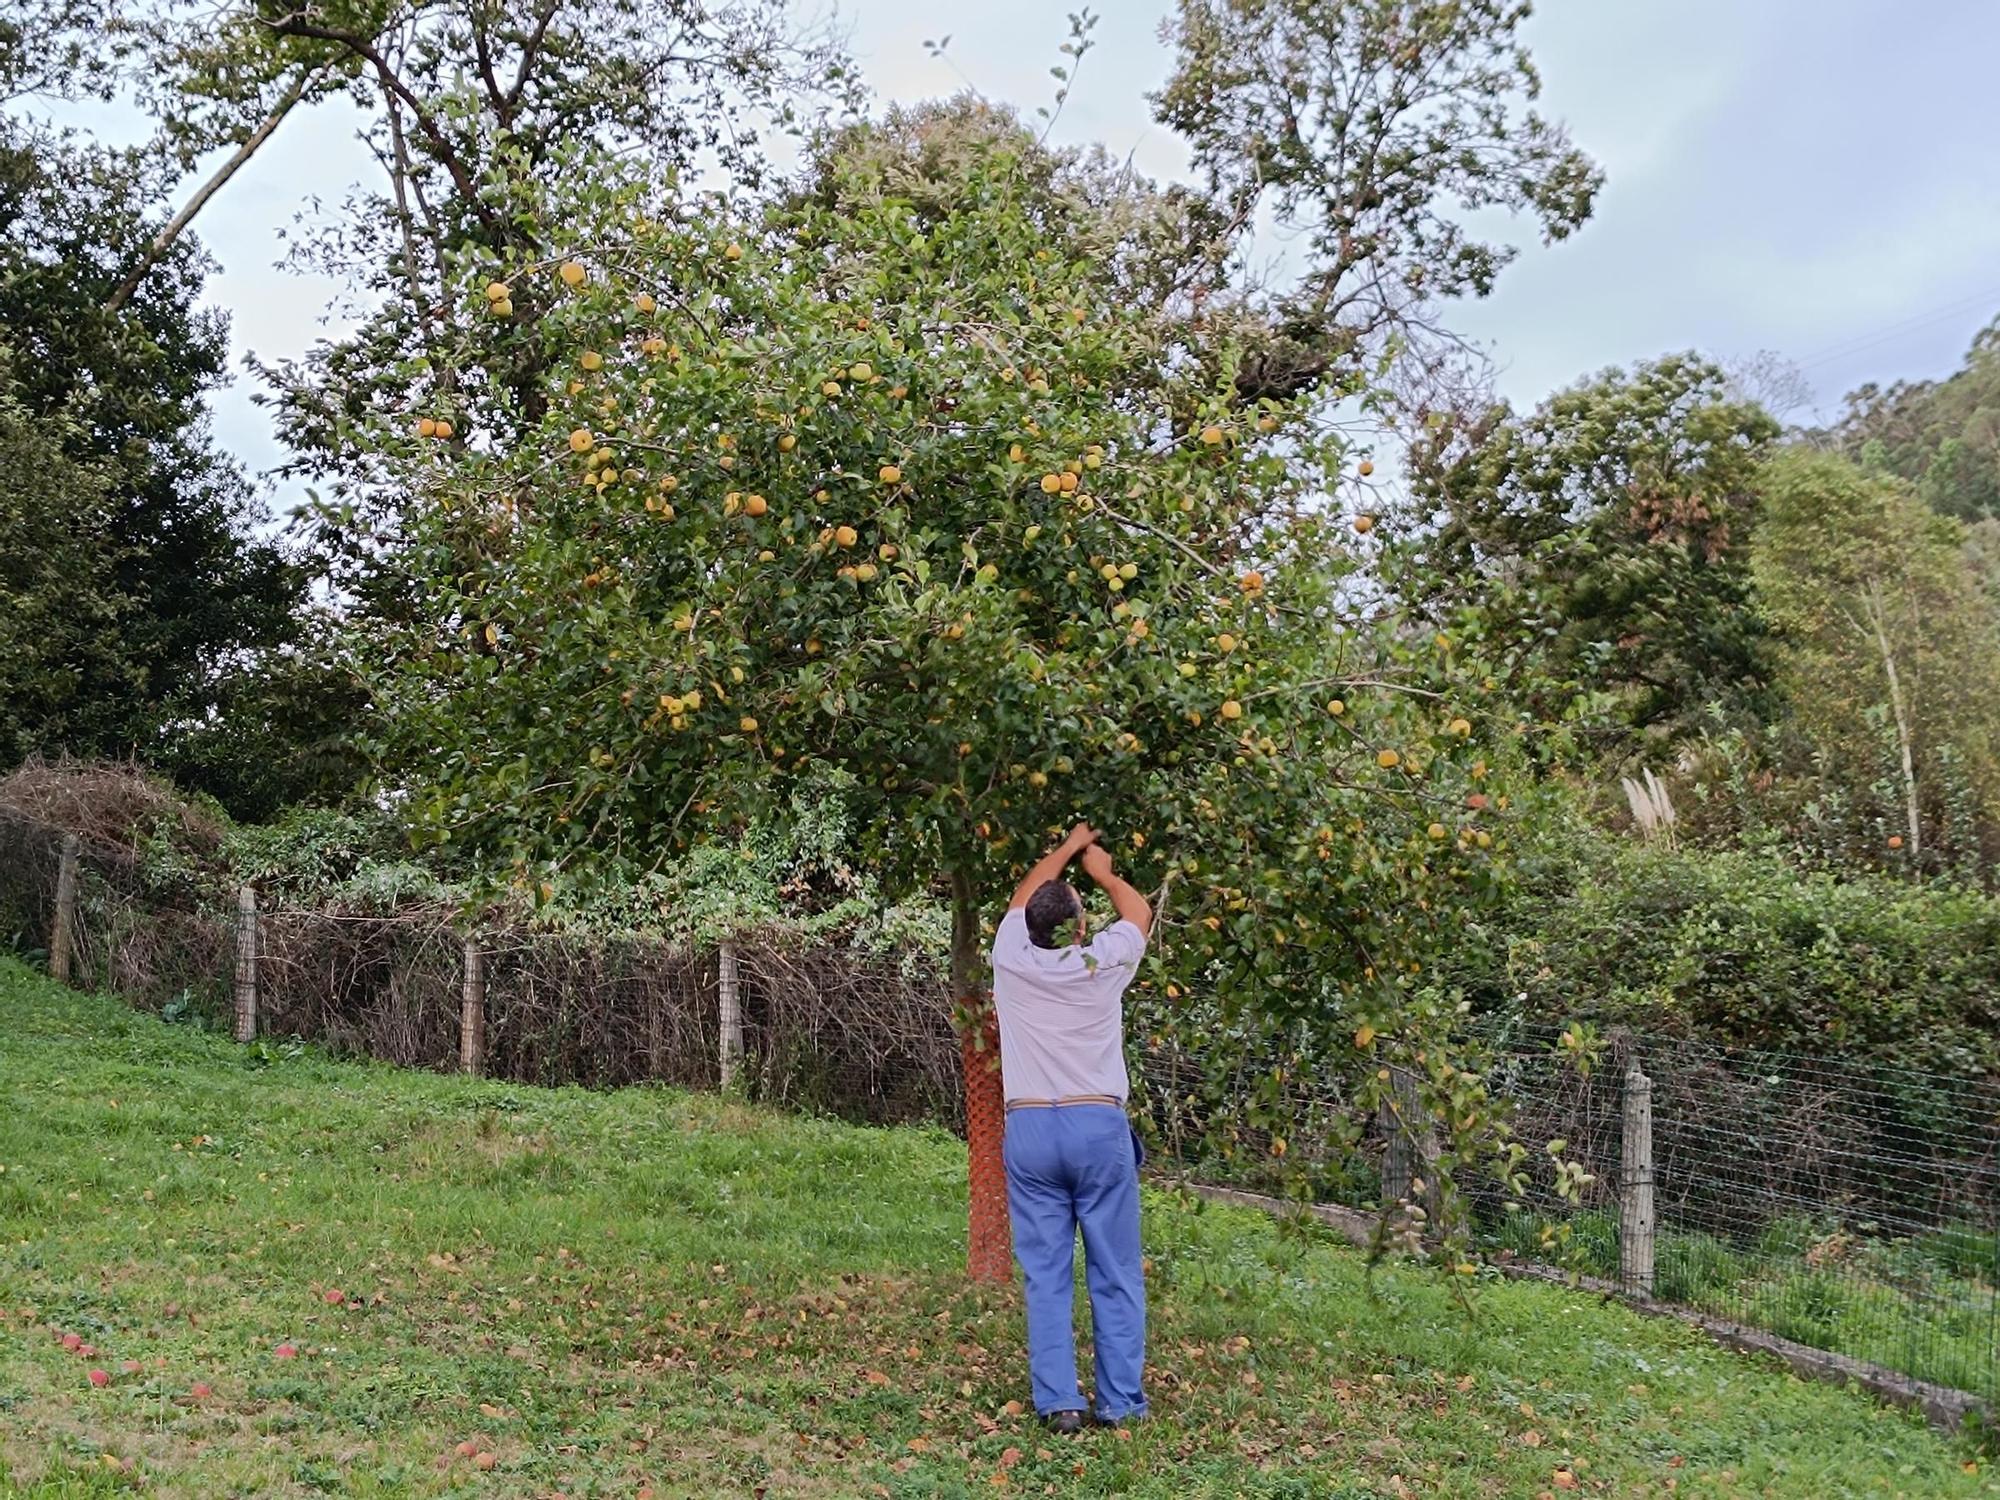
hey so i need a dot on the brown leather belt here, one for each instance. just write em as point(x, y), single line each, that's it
point(1110, 1099)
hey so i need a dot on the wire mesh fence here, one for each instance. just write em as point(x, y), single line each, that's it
point(866, 1037)
point(1851, 1205)
point(1846, 1203)
point(129, 931)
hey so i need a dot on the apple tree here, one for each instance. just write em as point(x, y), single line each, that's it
point(906, 487)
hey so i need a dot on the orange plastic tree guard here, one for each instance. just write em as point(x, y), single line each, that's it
point(990, 1254)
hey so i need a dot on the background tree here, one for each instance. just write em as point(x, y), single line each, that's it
point(121, 395)
point(62, 49)
point(461, 97)
point(1941, 435)
point(1603, 539)
point(1982, 554)
point(1889, 646)
point(283, 727)
point(1144, 235)
point(1371, 129)
point(60, 610)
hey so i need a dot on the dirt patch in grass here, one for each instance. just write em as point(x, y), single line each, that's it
point(484, 1138)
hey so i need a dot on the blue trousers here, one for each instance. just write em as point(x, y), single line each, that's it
point(1077, 1166)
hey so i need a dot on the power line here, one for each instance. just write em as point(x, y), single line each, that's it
point(1865, 342)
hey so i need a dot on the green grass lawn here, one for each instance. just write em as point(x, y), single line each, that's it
point(651, 1292)
point(1896, 1301)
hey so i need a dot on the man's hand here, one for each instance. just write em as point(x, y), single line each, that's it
point(1051, 865)
point(1081, 837)
point(1097, 863)
point(1131, 906)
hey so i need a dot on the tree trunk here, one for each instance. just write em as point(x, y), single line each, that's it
point(990, 1240)
point(177, 226)
point(1876, 618)
point(1409, 1150)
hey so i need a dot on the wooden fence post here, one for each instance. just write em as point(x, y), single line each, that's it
point(1635, 1188)
point(62, 930)
point(472, 1010)
point(246, 963)
point(729, 996)
point(1409, 1145)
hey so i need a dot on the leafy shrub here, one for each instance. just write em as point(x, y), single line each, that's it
point(1745, 948)
point(324, 856)
point(1773, 787)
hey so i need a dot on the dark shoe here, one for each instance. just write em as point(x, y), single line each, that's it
point(1130, 1419)
point(1064, 1423)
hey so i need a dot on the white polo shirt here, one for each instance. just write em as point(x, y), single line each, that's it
point(1062, 1016)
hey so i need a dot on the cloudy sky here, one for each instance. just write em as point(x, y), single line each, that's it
point(1818, 178)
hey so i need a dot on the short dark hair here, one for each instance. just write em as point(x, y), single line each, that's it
point(1053, 907)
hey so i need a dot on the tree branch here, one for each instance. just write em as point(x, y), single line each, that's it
point(177, 226)
point(399, 173)
point(502, 109)
point(530, 50)
point(1172, 541)
point(297, 26)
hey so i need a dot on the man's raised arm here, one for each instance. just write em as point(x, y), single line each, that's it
point(1131, 906)
point(1051, 865)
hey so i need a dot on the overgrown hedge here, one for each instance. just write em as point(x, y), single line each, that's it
point(1745, 948)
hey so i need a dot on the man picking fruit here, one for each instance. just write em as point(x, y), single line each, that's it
point(1072, 1157)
